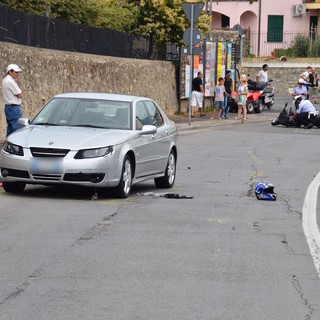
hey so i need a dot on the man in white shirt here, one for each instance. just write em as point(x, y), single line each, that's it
point(12, 95)
point(305, 77)
point(305, 112)
point(262, 76)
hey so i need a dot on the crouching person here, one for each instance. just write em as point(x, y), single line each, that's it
point(305, 111)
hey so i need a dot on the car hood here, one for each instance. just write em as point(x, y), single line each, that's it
point(72, 138)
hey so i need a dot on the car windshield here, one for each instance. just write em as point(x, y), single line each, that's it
point(85, 113)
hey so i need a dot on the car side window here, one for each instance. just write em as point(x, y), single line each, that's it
point(142, 115)
point(156, 117)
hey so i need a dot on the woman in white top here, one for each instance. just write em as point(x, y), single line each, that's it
point(242, 98)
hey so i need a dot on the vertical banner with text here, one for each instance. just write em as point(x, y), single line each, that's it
point(219, 56)
point(210, 70)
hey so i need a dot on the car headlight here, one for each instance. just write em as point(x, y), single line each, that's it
point(12, 148)
point(93, 153)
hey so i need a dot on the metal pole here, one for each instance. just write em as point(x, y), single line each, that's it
point(210, 34)
point(191, 62)
point(259, 29)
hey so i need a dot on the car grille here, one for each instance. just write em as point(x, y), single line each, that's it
point(49, 152)
point(47, 177)
point(92, 177)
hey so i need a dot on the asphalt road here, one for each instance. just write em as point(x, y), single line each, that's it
point(220, 255)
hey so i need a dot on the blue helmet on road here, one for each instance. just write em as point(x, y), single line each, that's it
point(264, 191)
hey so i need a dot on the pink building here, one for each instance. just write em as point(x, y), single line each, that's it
point(267, 24)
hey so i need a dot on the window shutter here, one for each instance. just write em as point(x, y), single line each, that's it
point(275, 29)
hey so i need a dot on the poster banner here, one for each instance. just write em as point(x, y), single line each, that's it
point(219, 56)
point(185, 72)
point(221, 60)
point(210, 70)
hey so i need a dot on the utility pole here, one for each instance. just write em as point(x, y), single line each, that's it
point(259, 28)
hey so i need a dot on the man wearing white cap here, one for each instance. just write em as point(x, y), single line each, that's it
point(12, 96)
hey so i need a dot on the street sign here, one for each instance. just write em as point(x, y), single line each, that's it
point(195, 6)
point(195, 38)
point(238, 28)
point(195, 51)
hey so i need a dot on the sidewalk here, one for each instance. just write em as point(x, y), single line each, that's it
point(182, 121)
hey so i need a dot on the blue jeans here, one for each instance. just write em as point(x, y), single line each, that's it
point(225, 109)
point(13, 113)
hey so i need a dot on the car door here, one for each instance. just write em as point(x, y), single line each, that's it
point(146, 147)
point(162, 139)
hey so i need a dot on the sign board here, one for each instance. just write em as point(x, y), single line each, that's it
point(196, 7)
point(196, 37)
point(238, 28)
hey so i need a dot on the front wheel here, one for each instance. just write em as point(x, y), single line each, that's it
point(124, 187)
point(14, 187)
point(250, 106)
point(167, 181)
point(275, 121)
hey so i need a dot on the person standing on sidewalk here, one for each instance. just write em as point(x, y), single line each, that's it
point(242, 98)
point(313, 86)
point(12, 95)
point(262, 76)
point(218, 98)
point(305, 77)
point(228, 84)
point(197, 95)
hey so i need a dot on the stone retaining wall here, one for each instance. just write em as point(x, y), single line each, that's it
point(285, 75)
point(49, 72)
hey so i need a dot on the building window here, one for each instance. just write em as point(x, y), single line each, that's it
point(275, 29)
point(225, 21)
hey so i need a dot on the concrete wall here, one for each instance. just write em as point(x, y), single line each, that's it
point(49, 72)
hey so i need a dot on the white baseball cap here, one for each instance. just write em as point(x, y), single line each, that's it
point(13, 67)
point(301, 81)
point(297, 97)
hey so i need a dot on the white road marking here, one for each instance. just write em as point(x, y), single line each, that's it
point(309, 221)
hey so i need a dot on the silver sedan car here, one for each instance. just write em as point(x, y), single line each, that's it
point(92, 139)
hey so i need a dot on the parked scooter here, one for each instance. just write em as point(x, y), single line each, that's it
point(284, 118)
point(260, 95)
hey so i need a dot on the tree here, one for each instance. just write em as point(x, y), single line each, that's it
point(165, 21)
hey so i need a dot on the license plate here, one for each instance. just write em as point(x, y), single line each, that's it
point(46, 166)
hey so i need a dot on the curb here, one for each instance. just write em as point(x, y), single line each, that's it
point(201, 124)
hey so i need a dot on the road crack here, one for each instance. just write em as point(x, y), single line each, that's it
point(298, 287)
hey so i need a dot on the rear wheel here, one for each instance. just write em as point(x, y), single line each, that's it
point(250, 106)
point(124, 187)
point(167, 181)
point(258, 108)
point(14, 187)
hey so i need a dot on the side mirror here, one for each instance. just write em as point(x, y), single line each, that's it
point(23, 122)
point(148, 129)
point(286, 104)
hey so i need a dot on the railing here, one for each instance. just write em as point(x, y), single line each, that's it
point(285, 40)
point(38, 31)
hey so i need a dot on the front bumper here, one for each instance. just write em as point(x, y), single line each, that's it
point(99, 172)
